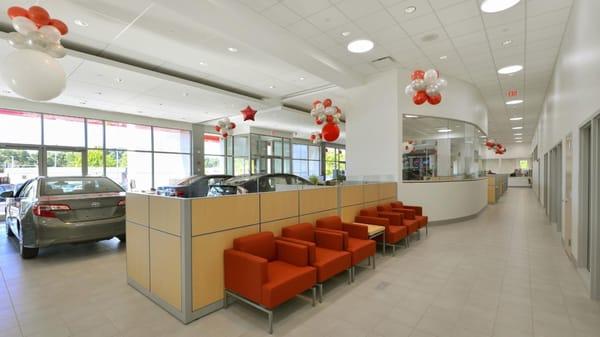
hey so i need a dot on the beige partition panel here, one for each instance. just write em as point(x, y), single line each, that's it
point(216, 214)
point(165, 214)
point(318, 200)
point(207, 264)
point(276, 226)
point(312, 218)
point(348, 213)
point(165, 266)
point(138, 250)
point(352, 195)
point(278, 205)
point(136, 208)
point(371, 192)
point(387, 191)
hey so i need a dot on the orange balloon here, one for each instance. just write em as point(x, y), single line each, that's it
point(39, 15)
point(327, 102)
point(61, 26)
point(16, 11)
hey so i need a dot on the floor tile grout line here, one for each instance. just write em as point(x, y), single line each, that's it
point(12, 304)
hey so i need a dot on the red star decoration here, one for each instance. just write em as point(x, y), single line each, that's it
point(248, 113)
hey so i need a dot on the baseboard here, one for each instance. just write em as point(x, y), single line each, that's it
point(455, 220)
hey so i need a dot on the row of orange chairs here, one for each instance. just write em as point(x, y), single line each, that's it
point(265, 271)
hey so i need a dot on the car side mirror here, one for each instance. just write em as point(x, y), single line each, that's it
point(7, 194)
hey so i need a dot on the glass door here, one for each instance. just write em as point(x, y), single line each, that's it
point(17, 165)
point(64, 162)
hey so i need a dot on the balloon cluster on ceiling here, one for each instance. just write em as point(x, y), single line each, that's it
point(426, 86)
point(225, 127)
point(316, 137)
point(326, 112)
point(498, 148)
point(408, 147)
point(31, 71)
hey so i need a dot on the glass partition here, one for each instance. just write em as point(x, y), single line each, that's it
point(441, 149)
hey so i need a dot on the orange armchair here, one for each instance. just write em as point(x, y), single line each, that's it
point(408, 217)
point(395, 231)
point(356, 236)
point(418, 211)
point(326, 251)
point(264, 272)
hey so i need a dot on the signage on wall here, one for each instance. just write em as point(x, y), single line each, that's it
point(512, 93)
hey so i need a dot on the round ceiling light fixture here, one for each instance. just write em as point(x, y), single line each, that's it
point(510, 69)
point(513, 102)
point(495, 6)
point(344, 34)
point(360, 46)
point(410, 9)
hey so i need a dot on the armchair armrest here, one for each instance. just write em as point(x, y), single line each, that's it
point(312, 254)
point(372, 220)
point(292, 253)
point(408, 213)
point(329, 240)
point(245, 273)
point(396, 219)
point(344, 234)
point(418, 209)
point(357, 230)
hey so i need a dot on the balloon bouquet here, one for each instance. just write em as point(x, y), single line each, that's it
point(316, 137)
point(326, 112)
point(225, 127)
point(498, 148)
point(408, 147)
point(426, 86)
point(31, 71)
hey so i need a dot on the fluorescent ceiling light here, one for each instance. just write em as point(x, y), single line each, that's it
point(518, 138)
point(443, 57)
point(516, 118)
point(410, 9)
point(518, 134)
point(510, 69)
point(506, 42)
point(345, 33)
point(482, 136)
point(81, 23)
point(301, 78)
point(232, 49)
point(495, 6)
point(519, 141)
point(517, 127)
point(513, 102)
point(360, 46)
point(444, 130)
point(411, 116)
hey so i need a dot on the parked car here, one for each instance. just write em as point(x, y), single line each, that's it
point(47, 211)
point(255, 183)
point(192, 187)
point(4, 188)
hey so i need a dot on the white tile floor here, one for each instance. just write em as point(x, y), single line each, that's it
point(502, 274)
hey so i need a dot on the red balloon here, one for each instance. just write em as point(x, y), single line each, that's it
point(315, 102)
point(16, 11)
point(330, 132)
point(319, 121)
point(39, 15)
point(420, 97)
point(217, 128)
point(327, 102)
point(232, 125)
point(329, 119)
point(434, 100)
point(417, 75)
point(61, 26)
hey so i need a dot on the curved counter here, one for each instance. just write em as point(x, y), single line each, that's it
point(446, 201)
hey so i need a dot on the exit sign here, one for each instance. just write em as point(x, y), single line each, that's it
point(512, 93)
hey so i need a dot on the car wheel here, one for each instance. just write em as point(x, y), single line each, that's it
point(28, 253)
point(122, 238)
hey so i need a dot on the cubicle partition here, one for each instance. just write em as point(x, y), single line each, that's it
point(175, 246)
point(497, 185)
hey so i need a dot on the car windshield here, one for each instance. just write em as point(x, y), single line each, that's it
point(187, 181)
point(66, 186)
point(222, 190)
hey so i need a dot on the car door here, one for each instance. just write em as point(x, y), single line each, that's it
point(17, 206)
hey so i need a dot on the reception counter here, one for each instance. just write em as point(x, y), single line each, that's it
point(175, 246)
point(446, 201)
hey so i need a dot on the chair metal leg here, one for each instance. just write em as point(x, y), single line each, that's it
point(320, 295)
point(369, 261)
point(270, 314)
point(373, 261)
point(314, 295)
point(393, 250)
point(426, 230)
point(407, 242)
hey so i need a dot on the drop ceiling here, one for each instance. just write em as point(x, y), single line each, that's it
point(288, 48)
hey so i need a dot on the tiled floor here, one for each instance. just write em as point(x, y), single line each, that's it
point(502, 274)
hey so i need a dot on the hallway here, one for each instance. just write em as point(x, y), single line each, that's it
point(502, 274)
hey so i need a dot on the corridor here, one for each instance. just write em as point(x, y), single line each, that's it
point(501, 274)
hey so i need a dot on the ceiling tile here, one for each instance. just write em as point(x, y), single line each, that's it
point(281, 15)
point(376, 21)
point(355, 9)
point(303, 29)
point(399, 13)
point(328, 19)
point(422, 24)
point(458, 12)
point(305, 8)
point(470, 25)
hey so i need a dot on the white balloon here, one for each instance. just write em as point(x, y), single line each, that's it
point(419, 85)
point(33, 75)
point(432, 90)
point(431, 76)
point(16, 40)
point(409, 90)
point(313, 112)
point(441, 83)
point(330, 110)
point(51, 33)
point(36, 40)
point(56, 50)
point(320, 108)
point(23, 25)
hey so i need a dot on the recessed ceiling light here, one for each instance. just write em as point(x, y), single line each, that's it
point(186, 94)
point(202, 63)
point(81, 23)
point(444, 130)
point(495, 6)
point(119, 80)
point(301, 78)
point(513, 102)
point(516, 118)
point(411, 116)
point(232, 49)
point(517, 127)
point(360, 46)
point(510, 69)
point(271, 87)
point(506, 42)
point(410, 9)
point(482, 136)
point(345, 34)
point(443, 57)
point(518, 134)
point(519, 141)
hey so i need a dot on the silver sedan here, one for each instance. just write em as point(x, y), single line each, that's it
point(47, 211)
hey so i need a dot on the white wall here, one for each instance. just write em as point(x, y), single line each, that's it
point(572, 96)
point(502, 165)
point(446, 200)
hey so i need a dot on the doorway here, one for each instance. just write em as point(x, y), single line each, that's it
point(546, 180)
point(568, 200)
point(555, 195)
point(585, 196)
point(595, 210)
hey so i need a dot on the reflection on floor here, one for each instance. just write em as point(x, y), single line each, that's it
point(502, 274)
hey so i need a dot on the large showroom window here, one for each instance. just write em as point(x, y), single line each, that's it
point(335, 163)
point(306, 160)
point(442, 149)
point(214, 154)
point(138, 157)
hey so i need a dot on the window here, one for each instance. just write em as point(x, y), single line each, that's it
point(130, 169)
point(18, 165)
point(64, 163)
point(172, 140)
point(214, 154)
point(12, 126)
point(306, 160)
point(78, 186)
point(55, 131)
point(128, 136)
point(170, 167)
point(95, 134)
point(335, 163)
